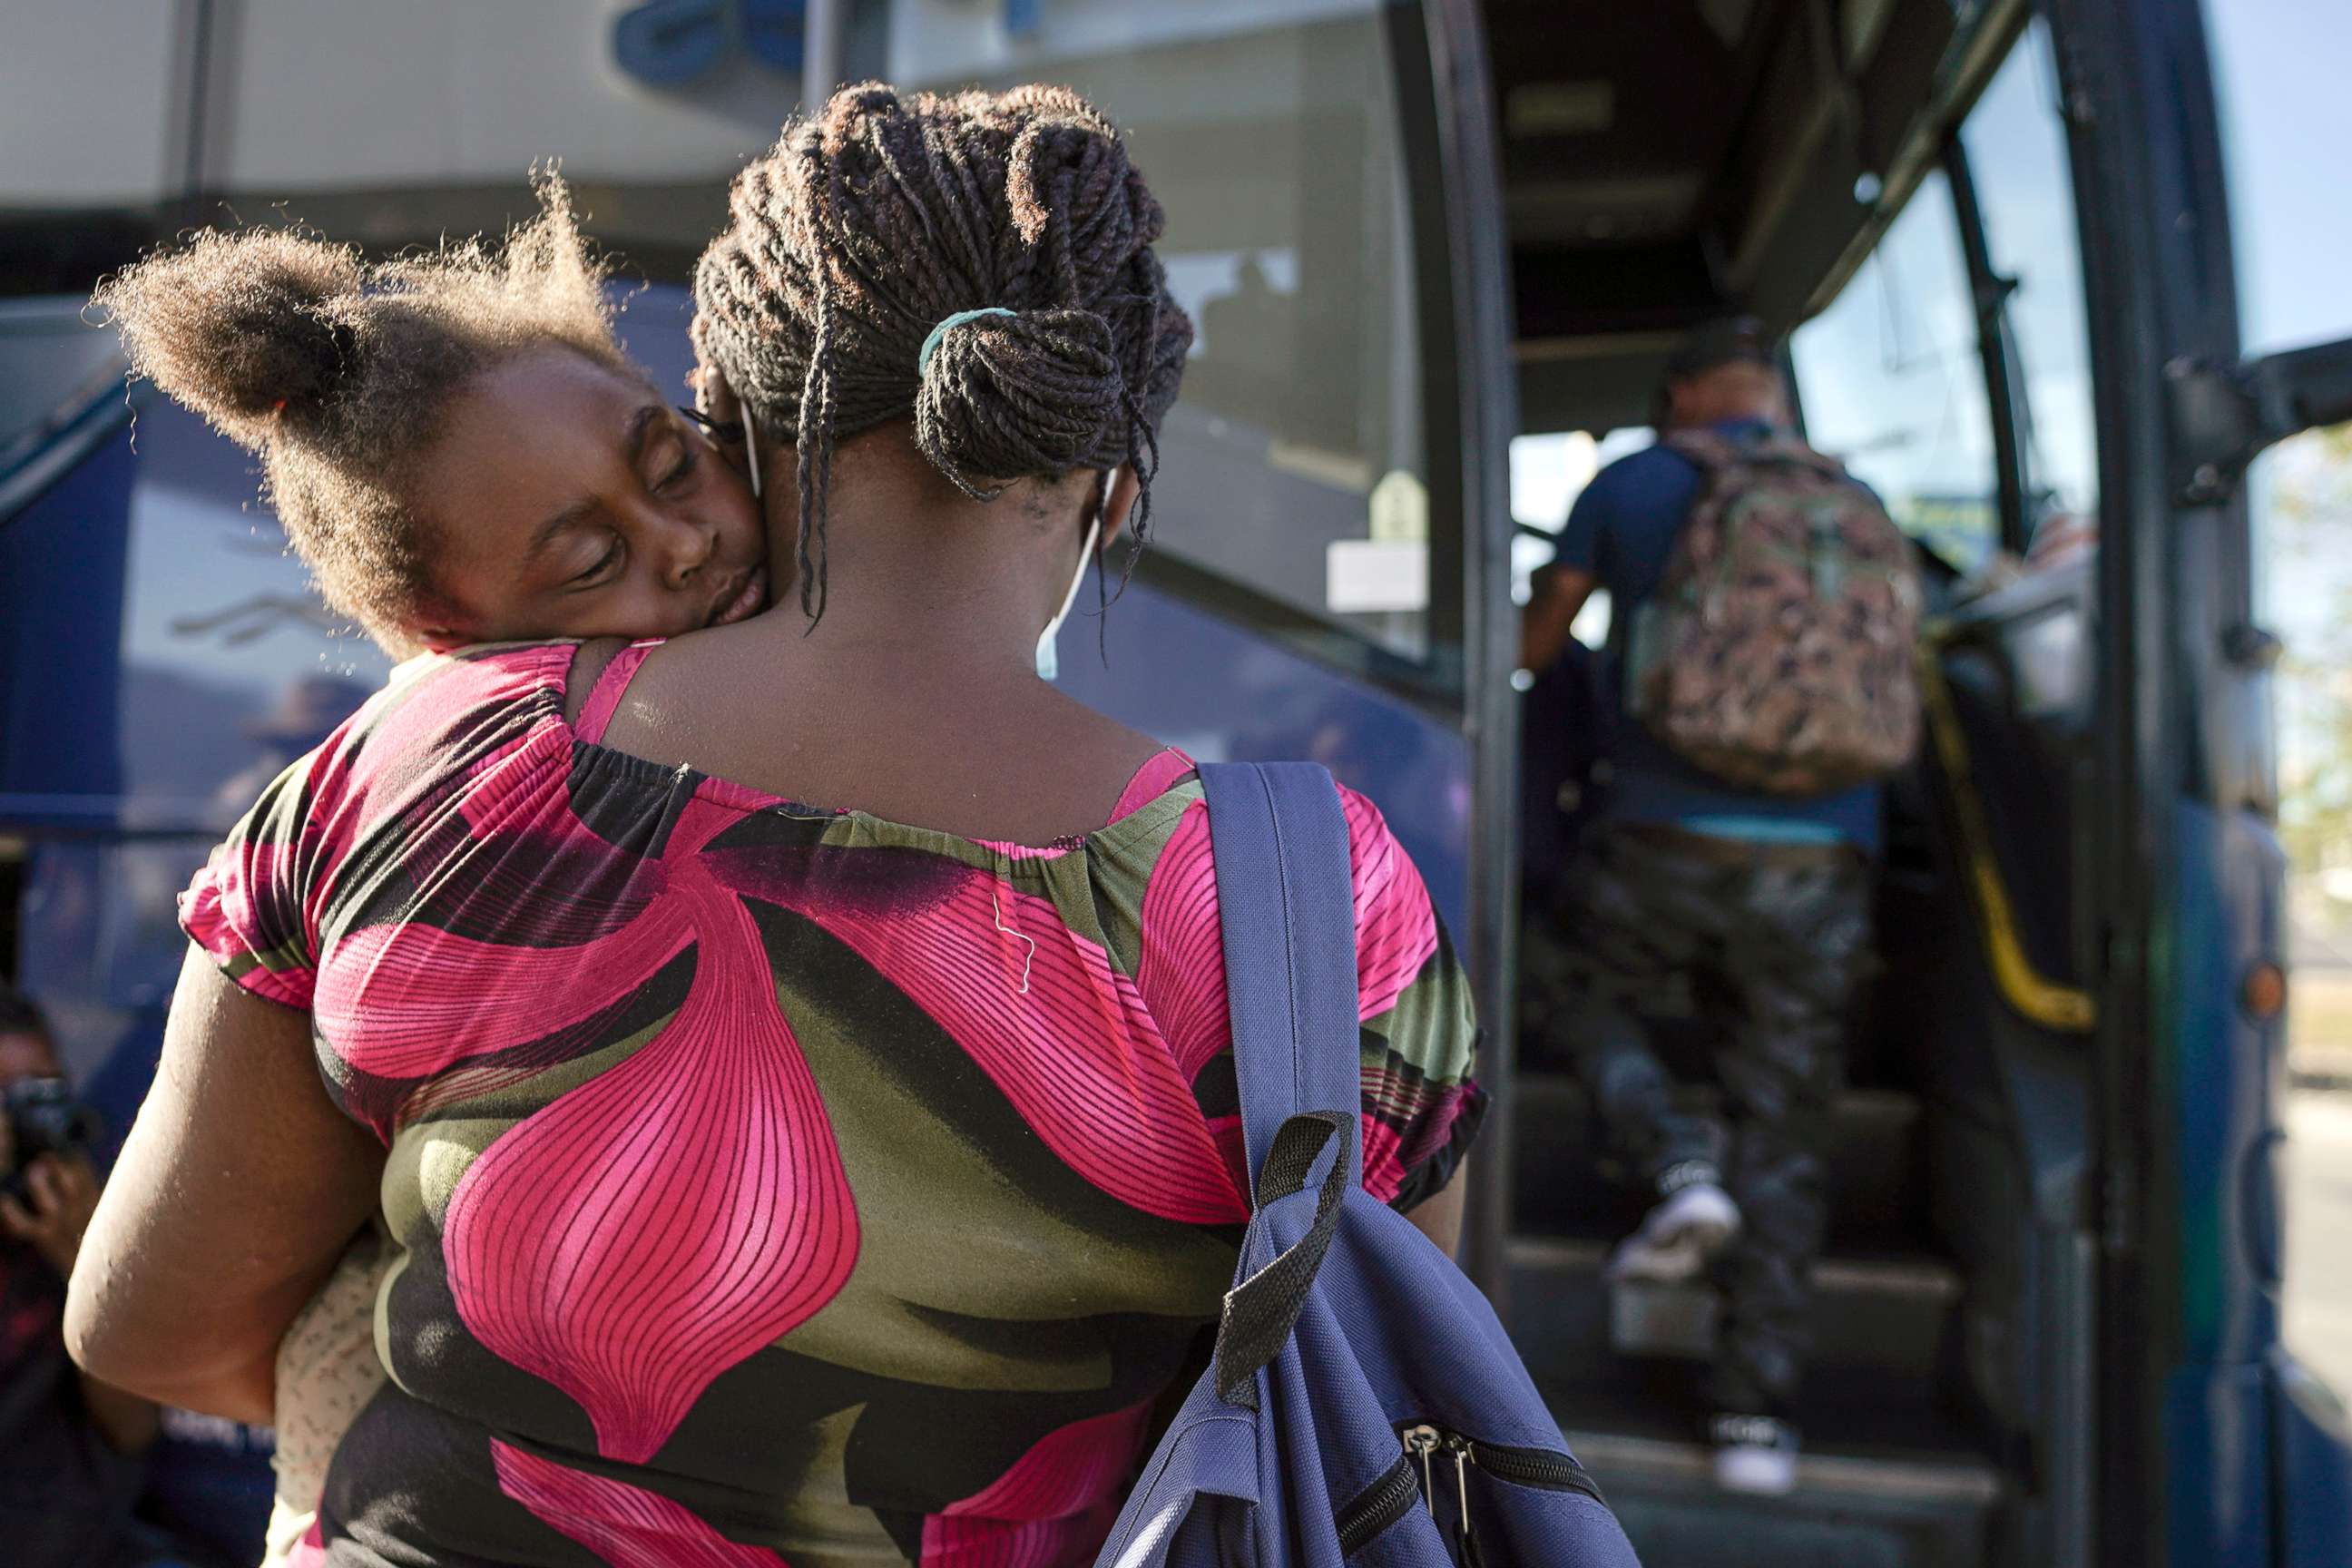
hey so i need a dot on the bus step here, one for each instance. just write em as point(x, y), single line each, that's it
point(1891, 1314)
point(1877, 1173)
point(1854, 1509)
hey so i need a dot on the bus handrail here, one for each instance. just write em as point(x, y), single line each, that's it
point(2033, 995)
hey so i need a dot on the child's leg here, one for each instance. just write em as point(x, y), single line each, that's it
point(327, 1370)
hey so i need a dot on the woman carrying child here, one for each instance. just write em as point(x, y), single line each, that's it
point(766, 1182)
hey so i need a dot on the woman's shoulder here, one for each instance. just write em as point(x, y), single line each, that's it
point(485, 673)
point(432, 697)
point(439, 719)
point(437, 737)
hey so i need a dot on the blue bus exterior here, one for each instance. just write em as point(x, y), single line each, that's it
point(160, 655)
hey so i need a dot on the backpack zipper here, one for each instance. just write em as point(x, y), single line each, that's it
point(1534, 1467)
point(1388, 1498)
point(1378, 1506)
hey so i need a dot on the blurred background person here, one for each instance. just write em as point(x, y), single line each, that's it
point(1743, 907)
point(71, 1443)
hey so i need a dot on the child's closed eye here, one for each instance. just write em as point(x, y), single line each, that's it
point(607, 565)
point(679, 471)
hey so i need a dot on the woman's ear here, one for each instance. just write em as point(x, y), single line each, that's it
point(713, 396)
point(722, 417)
point(1124, 487)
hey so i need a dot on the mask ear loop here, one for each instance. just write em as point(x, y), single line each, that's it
point(751, 448)
point(1049, 662)
point(1102, 573)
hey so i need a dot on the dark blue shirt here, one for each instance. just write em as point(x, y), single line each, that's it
point(1621, 532)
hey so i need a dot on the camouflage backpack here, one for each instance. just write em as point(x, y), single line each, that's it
point(1777, 654)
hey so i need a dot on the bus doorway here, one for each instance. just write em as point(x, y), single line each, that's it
point(1894, 188)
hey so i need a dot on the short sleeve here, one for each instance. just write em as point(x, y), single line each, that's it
point(340, 830)
point(1584, 541)
point(1418, 1029)
point(246, 908)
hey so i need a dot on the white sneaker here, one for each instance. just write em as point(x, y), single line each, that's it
point(1754, 1454)
point(1678, 1237)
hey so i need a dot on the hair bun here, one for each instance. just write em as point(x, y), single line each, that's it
point(241, 327)
point(1020, 394)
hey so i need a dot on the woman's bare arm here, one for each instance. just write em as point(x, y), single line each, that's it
point(236, 1191)
point(1440, 1218)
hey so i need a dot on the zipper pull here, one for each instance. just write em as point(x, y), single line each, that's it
point(1421, 1442)
point(1465, 1454)
point(1460, 1448)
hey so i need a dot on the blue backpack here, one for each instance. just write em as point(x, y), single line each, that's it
point(1363, 1404)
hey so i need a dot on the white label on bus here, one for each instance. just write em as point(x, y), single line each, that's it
point(1367, 575)
point(1399, 508)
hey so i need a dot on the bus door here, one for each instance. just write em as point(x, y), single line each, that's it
point(2215, 1446)
point(2061, 1099)
point(1939, 1422)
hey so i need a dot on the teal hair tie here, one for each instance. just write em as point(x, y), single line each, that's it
point(923, 358)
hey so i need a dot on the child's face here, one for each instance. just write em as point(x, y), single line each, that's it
point(567, 499)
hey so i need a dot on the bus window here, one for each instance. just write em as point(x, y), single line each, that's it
point(2017, 160)
point(2283, 113)
point(1294, 464)
point(1891, 381)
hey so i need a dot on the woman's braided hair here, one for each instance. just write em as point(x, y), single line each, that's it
point(339, 374)
point(1015, 219)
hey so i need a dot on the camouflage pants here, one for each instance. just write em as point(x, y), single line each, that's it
point(1762, 946)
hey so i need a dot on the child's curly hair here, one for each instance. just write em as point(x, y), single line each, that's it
point(339, 374)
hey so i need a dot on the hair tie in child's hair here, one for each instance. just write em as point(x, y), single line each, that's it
point(923, 358)
point(278, 406)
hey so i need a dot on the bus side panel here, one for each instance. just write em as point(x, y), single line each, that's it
point(2217, 1465)
point(1224, 693)
point(61, 584)
point(2231, 873)
point(2216, 1411)
point(2314, 1436)
point(97, 943)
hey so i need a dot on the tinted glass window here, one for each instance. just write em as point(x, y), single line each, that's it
point(2017, 158)
point(190, 656)
point(51, 368)
point(2285, 117)
point(1892, 382)
point(1295, 463)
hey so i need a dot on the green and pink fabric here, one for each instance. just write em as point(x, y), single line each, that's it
point(773, 1184)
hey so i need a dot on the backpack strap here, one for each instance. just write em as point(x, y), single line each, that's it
point(1709, 449)
point(1284, 900)
point(1712, 451)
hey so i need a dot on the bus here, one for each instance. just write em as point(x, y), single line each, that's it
point(1423, 242)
